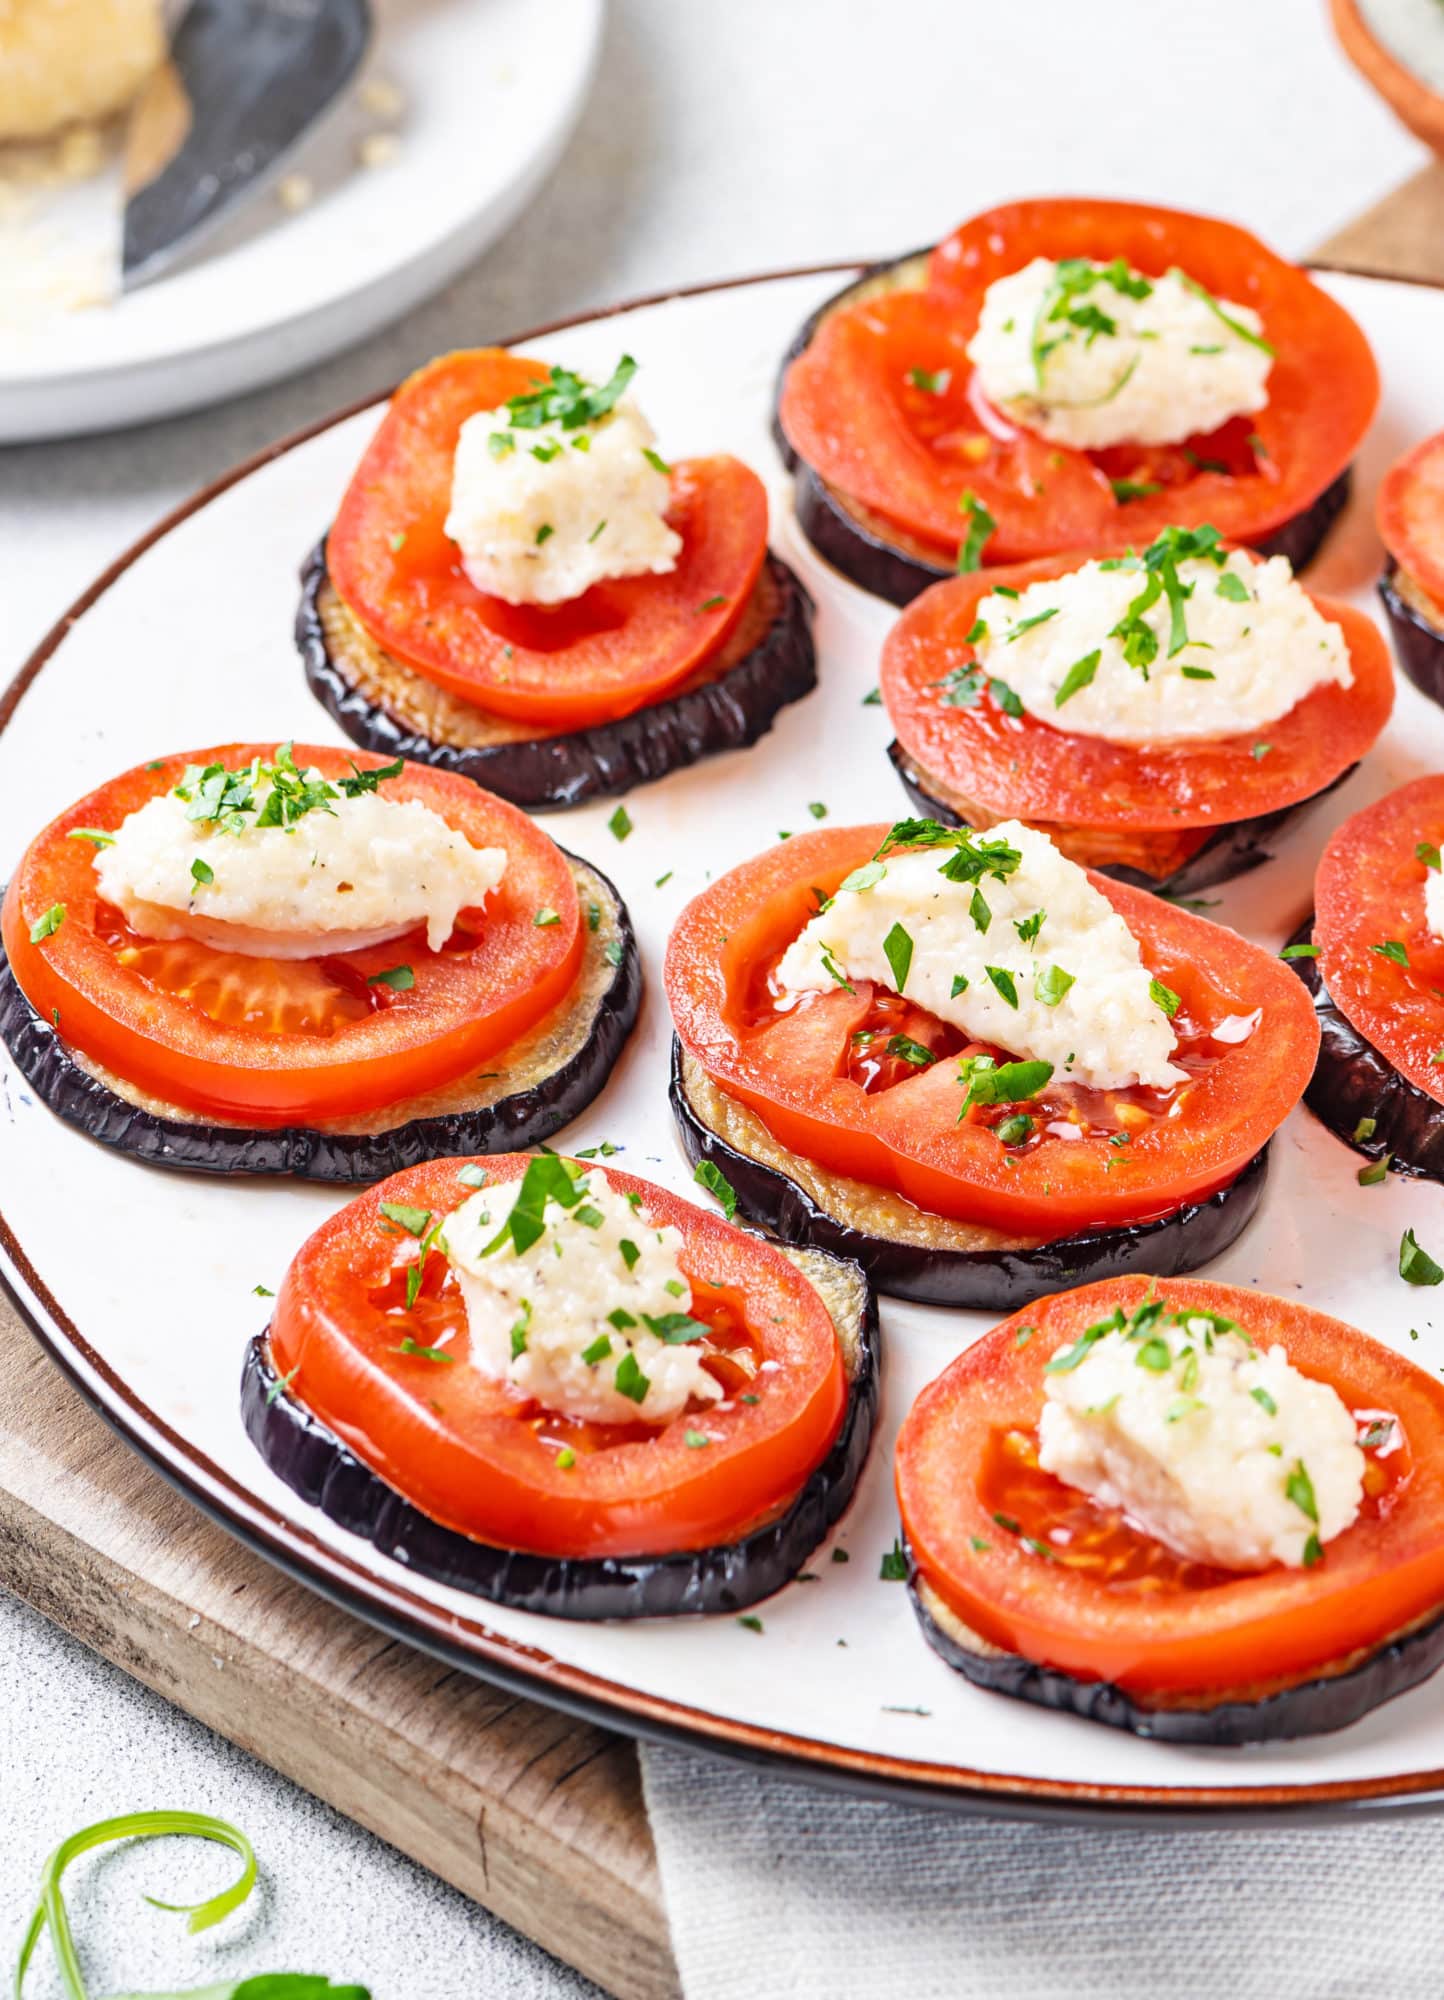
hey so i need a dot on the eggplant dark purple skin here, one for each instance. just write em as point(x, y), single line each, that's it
point(1418, 644)
point(553, 773)
point(1231, 850)
point(987, 1280)
point(313, 1462)
point(1312, 1708)
point(869, 559)
point(509, 1125)
point(1353, 1080)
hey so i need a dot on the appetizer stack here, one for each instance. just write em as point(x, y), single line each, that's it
point(979, 1057)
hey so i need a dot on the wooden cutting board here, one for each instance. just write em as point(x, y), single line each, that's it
point(538, 1817)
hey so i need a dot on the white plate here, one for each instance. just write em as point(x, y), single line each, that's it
point(141, 1282)
point(491, 90)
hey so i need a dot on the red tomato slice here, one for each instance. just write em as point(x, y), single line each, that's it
point(1116, 1606)
point(618, 647)
point(852, 410)
point(475, 1457)
point(1370, 891)
point(791, 1067)
point(1029, 769)
point(272, 1042)
point(1411, 513)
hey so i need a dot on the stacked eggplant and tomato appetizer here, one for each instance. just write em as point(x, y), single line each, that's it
point(1410, 512)
point(975, 1066)
point(1372, 956)
point(1161, 714)
point(1068, 374)
point(275, 958)
point(1196, 1512)
point(519, 587)
point(568, 1390)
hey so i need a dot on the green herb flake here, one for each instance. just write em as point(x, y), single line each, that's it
point(620, 823)
point(898, 950)
point(400, 978)
point(1393, 950)
point(981, 527)
point(1299, 1489)
point(1079, 675)
point(1416, 1266)
point(710, 1176)
point(894, 1565)
point(1299, 951)
point(629, 1380)
point(1050, 983)
point(1003, 983)
point(1164, 997)
point(1375, 1172)
point(46, 926)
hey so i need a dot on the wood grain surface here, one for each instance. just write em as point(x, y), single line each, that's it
point(538, 1817)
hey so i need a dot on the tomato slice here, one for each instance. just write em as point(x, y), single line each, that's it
point(1025, 768)
point(852, 410)
point(271, 1042)
point(621, 645)
point(472, 1455)
point(1369, 891)
point(1113, 1605)
point(1410, 510)
point(791, 1065)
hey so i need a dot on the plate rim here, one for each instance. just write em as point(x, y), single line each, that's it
point(529, 1670)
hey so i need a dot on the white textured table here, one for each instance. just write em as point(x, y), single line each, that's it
point(722, 138)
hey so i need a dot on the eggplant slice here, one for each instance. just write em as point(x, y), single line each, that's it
point(880, 557)
point(1417, 623)
point(1354, 1084)
point(1229, 850)
point(313, 1462)
point(1274, 1714)
point(551, 1075)
point(728, 703)
point(910, 1254)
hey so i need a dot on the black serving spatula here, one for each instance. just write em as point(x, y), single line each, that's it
point(246, 81)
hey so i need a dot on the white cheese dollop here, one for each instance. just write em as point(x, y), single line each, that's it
point(368, 870)
point(1084, 999)
point(1093, 365)
point(1256, 647)
point(1220, 1450)
point(543, 517)
point(535, 1316)
point(1434, 902)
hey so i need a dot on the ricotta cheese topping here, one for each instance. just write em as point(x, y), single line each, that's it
point(1170, 646)
point(1434, 901)
point(559, 490)
point(1092, 355)
point(1215, 1447)
point(1006, 938)
point(591, 1317)
point(344, 873)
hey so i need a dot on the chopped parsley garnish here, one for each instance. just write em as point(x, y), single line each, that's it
point(566, 399)
point(829, 966)
point(1027, 624)
point(1299, 951)
point(1365, 1129)
point(47, 925)
point(546, 1179)
point(1029, 927)
point(629, 1252)
point(978, 910)
point(1265, 1401)
point(1392, 949)
point(519, 1329)
point(629, 1380)
point(1375, 1172)
point(1050, 983)
point(566, 1458)
point(93, 834)
point(544, 533)
point(909, 1051)
point(695, 1440)
point(545, 918)
point(1299, 1488)
point(897, 948)
point(656, 461)
point(1125, 490)
point(400, 978)
point(472, 1177)
point(866, 877)
point(710, 1176)
point(612, 951)
point(1003, 982)
point(676, 1329)
point(599, 529)
point(1260, 751)
point(932, 382)
point(1164, 997)
point(1078, 676)
point(750, 1622)
point(1235, 326)
point(415, 1349)
point(817, 809)
point(415, 1221)
point(1428, 854)
point(959, 985)
point(712, 604)
point(1001, 1083)
point(1013, 1131)
point(202, 872)
point(599, 1349)
point(1232, 587)
point(620, 823)
point(894, 1565)
point(1416, 1266)
point(981, 526)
